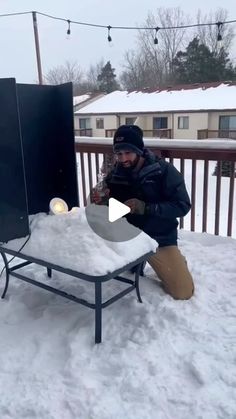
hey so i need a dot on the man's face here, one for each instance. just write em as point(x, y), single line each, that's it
point(127, 158)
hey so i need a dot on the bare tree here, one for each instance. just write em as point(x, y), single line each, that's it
point(69, 72)
point(92, 75)
point(169, 40)
point(90, 81)
point(208, 34)
point(156, 59)
point(135, 75)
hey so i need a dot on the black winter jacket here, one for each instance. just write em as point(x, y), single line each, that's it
point(161, 187)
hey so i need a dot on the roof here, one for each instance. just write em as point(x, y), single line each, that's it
point(197, 97)
point(87, 98)
point(80, 99)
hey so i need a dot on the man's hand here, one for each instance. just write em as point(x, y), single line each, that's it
point(95, 197)
point(136, 206)
point(99, 197)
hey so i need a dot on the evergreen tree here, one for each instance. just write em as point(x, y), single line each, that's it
point(226, 169)
point(107, 79)
point(198, 64)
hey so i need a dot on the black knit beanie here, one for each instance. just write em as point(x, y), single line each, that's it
point(129, 137)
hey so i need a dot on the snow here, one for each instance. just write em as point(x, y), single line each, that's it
point(162, 359)
point(212, 98)
point(76, 248)
point(209, 143)
point(80, 99)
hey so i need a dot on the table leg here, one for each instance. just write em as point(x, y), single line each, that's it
point(7, 274)
point(137, 272)
point(98, 312)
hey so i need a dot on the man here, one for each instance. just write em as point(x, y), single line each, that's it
point(156, 194)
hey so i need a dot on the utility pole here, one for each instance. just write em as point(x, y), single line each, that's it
point(36, 39)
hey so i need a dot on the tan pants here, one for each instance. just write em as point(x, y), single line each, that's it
point(171, 268)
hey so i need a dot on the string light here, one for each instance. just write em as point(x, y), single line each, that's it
point(109, 38)
point(219, 34)
point(68, 30)
point(155, 39)
point(219, 25)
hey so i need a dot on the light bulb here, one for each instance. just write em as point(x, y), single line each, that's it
point(58, 206)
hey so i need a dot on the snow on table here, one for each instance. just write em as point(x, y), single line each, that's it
point(68, 241)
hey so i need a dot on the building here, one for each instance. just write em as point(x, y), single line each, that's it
point(200, 110)
point(79, 102)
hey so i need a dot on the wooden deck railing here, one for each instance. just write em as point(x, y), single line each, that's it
point(210, 133)
point(212, 196)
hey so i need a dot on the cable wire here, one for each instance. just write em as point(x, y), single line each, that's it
point(120, 27)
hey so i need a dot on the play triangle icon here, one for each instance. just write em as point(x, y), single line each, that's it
point(116, 210)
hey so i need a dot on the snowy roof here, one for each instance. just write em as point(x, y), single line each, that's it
point(87, 98)
point(80, 99)
point(214, 96)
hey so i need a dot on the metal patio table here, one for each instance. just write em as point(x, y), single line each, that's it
point(98, 303)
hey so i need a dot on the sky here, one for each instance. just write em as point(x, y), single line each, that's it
point(161, 359)
point(86, 45)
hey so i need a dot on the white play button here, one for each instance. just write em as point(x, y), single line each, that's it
point(116, 210)
point(108, 221)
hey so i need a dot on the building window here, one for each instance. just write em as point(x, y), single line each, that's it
point(130, 121)
point(160, 123)
point(227, 122)
point(183, 122)
point(84, 123)
point(99, 123)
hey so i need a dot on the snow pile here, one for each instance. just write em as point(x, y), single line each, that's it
point(68, 241)
point(162, 359)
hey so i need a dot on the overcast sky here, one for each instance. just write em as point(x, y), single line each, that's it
point(87, 45)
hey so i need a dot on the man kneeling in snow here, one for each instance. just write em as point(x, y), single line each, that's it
point(156, 194)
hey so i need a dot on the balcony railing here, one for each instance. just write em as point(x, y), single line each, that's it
point(197, 161)
point(157, 133)
point(84, 132)
point(223, 133)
